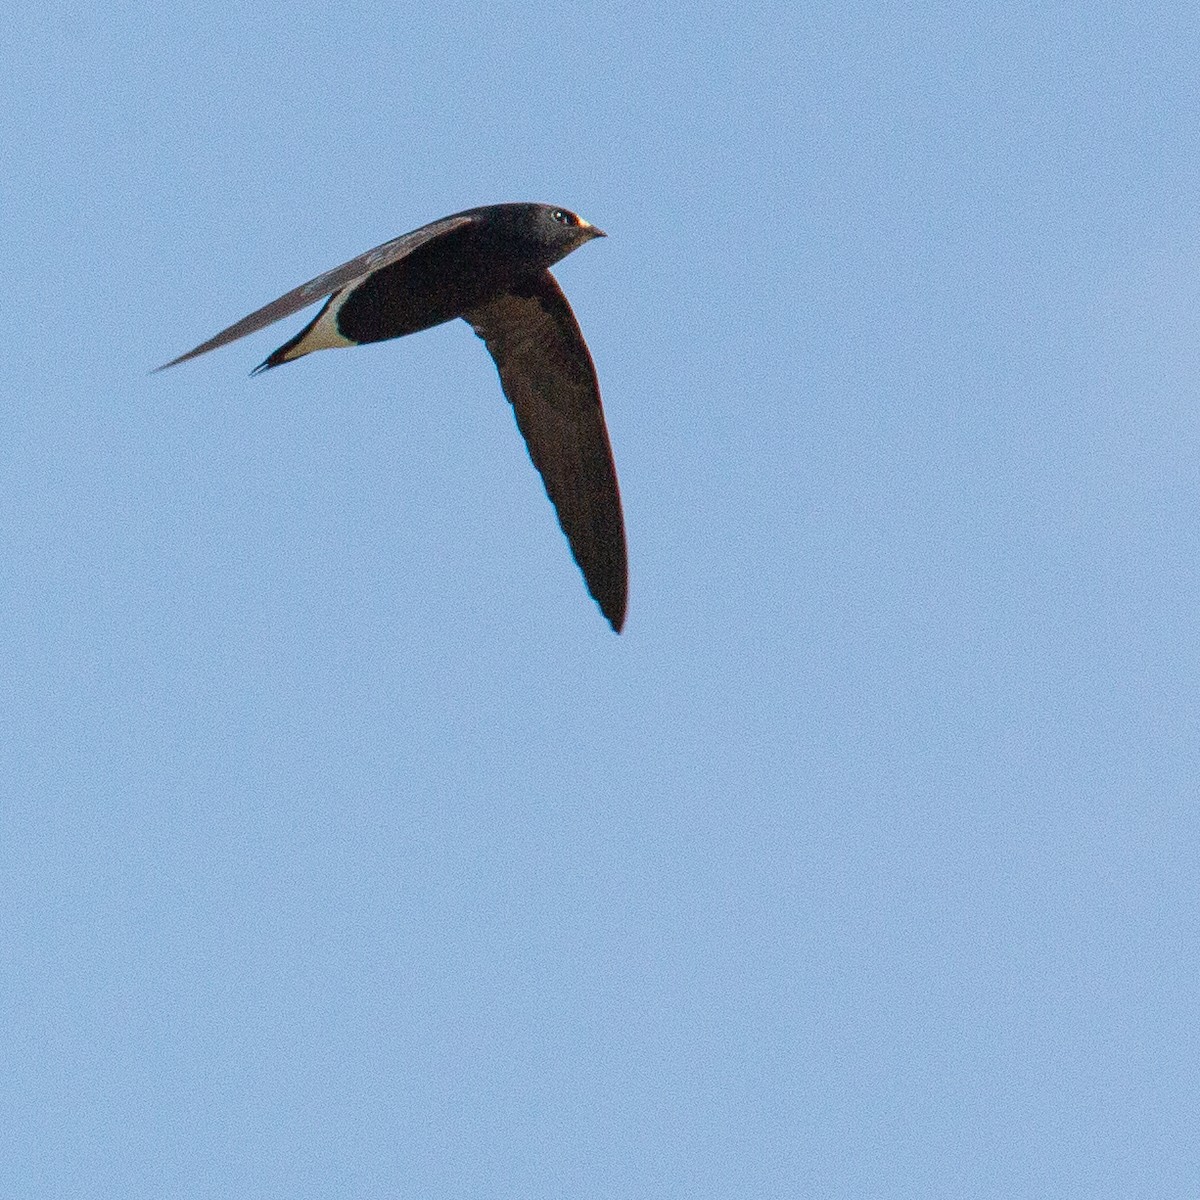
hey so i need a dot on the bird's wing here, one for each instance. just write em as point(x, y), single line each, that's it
point(548, 376)
point(323, 285)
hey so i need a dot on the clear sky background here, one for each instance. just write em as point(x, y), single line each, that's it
point(344, 851)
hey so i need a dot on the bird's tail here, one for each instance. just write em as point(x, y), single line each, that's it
point(321, 333)
point(277, 359)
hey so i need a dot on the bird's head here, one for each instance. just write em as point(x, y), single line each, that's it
point(556, 231)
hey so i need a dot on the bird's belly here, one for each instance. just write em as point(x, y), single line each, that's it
point(406, 298)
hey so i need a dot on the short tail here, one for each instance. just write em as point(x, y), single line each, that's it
point(273, 360)
point(277, 358)
point(314, 336)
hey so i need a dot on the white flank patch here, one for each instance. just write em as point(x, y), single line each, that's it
point(324, 334)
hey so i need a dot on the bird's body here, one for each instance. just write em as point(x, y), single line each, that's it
point(490, 267)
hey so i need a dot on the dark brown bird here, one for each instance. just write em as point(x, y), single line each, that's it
point(489, 266)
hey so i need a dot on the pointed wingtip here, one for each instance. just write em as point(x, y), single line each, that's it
point(614, 614)
point(181, 359)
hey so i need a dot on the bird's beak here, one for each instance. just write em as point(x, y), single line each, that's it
point(590, 229)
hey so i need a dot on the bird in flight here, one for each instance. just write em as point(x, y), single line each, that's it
point(489, 266)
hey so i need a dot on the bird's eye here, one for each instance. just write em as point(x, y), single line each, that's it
point(563, 218)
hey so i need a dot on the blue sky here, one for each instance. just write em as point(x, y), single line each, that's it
point(344, 851)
